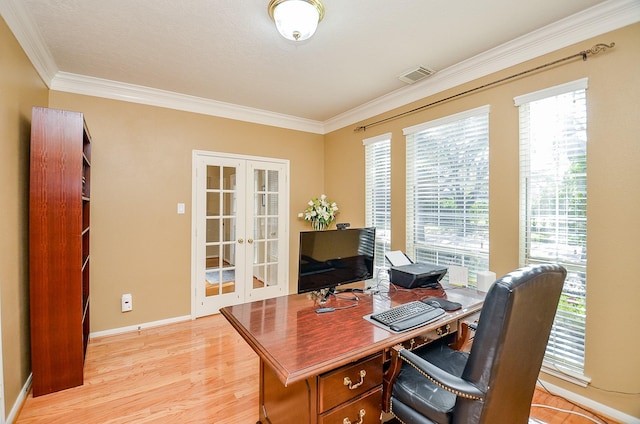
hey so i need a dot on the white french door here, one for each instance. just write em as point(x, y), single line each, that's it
point(240, 239)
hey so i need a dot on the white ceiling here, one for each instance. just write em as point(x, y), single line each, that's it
point(228, 55)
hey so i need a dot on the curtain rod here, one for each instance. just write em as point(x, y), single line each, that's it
point(583, 54)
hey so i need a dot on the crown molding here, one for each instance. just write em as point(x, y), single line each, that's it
point(98, 87)
point(597, 20)
point(32, 42)
point(29, 37)
point(602, 18)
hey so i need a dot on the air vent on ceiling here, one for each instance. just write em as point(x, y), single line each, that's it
point(416, 74)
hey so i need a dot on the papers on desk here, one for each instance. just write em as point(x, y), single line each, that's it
point(397, 258)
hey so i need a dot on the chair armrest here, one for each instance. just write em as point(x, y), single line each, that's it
point(390, 376)
point(443, 379)
point(464, 338)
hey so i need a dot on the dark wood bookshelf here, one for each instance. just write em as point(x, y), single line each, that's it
point(59, 229)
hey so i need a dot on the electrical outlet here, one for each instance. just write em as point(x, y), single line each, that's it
point(127, 302)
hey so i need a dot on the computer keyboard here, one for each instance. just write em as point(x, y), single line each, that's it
point(408, 315)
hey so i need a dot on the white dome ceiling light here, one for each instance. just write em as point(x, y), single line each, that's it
point(296, 20)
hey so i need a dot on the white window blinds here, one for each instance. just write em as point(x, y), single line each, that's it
point(378, 192)
point(553, 207)
point(448, 191)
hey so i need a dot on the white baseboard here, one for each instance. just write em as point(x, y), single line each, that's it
point(17, 406)
point(596, 407)
point(138, 327)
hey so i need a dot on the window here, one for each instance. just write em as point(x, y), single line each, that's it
point(553, 207)
point(378, 192)
point(448, 191)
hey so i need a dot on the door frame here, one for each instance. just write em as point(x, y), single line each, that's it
point(196, 155)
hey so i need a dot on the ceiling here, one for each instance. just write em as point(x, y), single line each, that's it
point(228, 53)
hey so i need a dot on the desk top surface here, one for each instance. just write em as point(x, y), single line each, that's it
point(298, 343)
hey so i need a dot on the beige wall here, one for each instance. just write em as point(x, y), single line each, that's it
point(613, 291)
point(20, 89)
point(141, 169)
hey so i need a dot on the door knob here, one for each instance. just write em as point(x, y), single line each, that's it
point(250, 241)
point(240, 241)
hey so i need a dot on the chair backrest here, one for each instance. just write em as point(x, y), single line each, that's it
point(510, 342)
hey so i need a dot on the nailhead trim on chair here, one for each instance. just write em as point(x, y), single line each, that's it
point(442, 386)
point(395, 416)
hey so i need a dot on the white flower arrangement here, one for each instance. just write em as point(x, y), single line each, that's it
point(321, 212)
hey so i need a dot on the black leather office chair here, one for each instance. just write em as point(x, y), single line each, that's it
point(495, 381)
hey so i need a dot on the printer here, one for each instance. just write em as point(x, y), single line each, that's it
point(405, 273)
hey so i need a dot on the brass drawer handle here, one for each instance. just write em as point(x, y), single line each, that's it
point(360, 421)
point(348, 382)
point(443, 331)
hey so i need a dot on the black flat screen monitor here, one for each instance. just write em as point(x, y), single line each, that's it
point(331, 258)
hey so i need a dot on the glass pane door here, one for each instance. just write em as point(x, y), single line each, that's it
point(240, 242)
point(269, 245)
point(219, 241)
point(220, 260)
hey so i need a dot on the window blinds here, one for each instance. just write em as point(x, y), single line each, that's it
point(448, 191)
point(378, 192)
point(553, 207)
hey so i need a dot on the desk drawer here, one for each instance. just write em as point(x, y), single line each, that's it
point(430, 336)
point(348, 382)
point(365, 409)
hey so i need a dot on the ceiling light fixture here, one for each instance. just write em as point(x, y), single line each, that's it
point(296, 20)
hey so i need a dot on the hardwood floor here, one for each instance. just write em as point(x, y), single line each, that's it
point(198, 371)
point(192, 372)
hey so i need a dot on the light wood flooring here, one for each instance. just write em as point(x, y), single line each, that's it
point(198, 371)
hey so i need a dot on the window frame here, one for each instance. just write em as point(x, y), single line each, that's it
point(570, 323)
point(378, 194)
point(445, 248)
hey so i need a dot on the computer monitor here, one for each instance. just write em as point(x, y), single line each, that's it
point(331, 258)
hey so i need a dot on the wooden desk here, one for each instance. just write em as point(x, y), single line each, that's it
point(312, 365)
